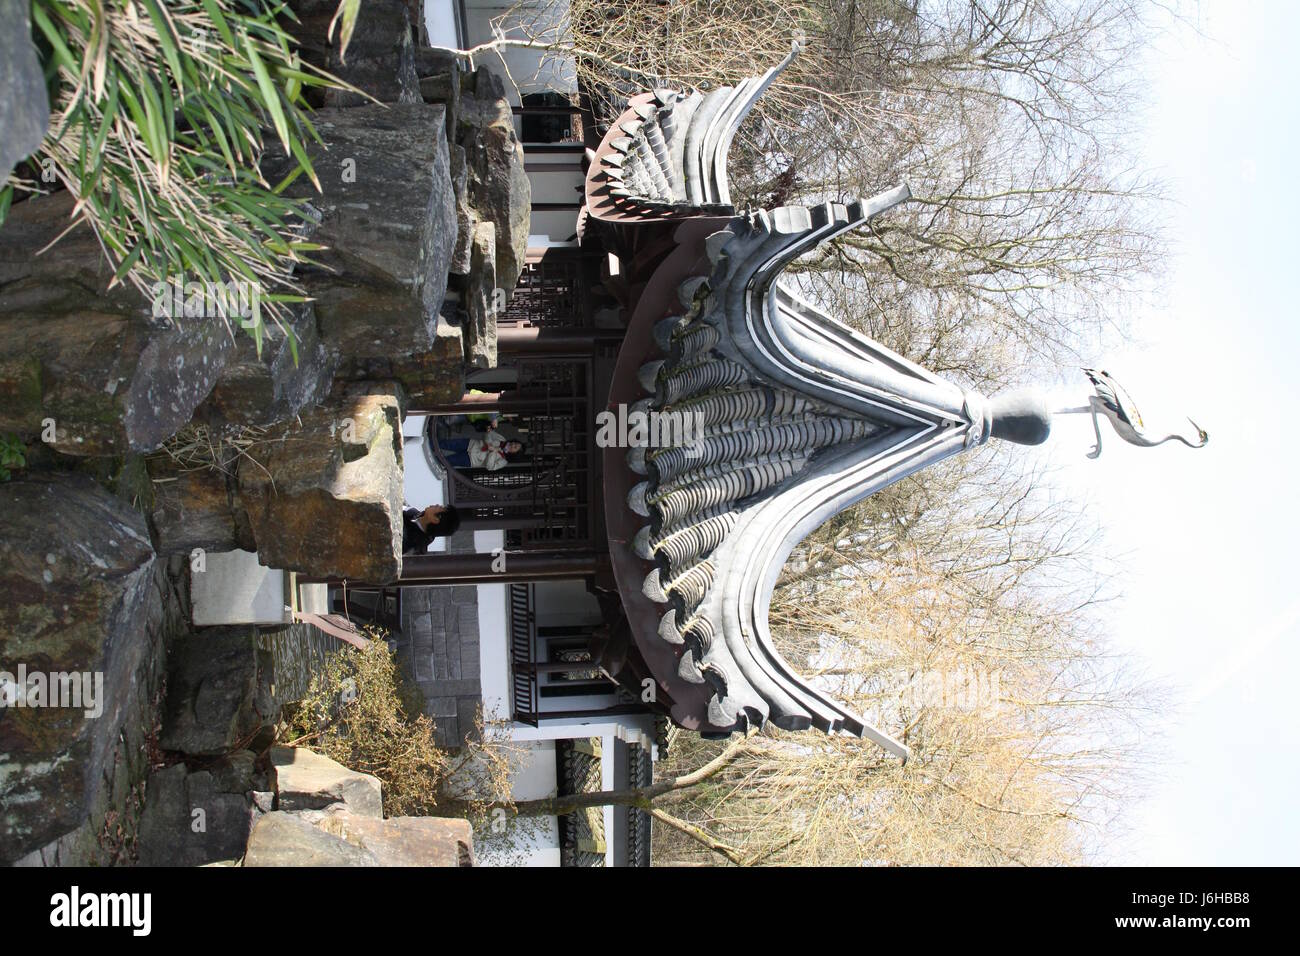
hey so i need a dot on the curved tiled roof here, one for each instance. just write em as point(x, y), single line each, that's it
point(779, 416)
point(792, 417)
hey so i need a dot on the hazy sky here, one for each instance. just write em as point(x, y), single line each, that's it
point(1212, 604)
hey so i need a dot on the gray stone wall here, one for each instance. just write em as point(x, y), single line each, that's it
point(439, 650)
point(110, 834)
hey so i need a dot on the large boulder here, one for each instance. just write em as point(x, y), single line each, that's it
point(435, 61)
point(293, 371)
point(498, 185)
point(285, 839)
point(24, 103)
point(466, 217)
point(402, 841)
point(306, 780)
point(493, 194)
point(380, 59)
point(435, 376)
point(76, 569)
point(482, 298)
point(197, 508)
point(218, 692)
point(325, 497)
point(192, 819)
point(113, 370)
point(340, 837)
point(322, 495)
point(440, 73)
point(407, 841)
point(388, 220)
point(119, 371)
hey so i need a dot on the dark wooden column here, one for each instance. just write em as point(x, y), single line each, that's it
point(507, 403)
point(515, 340)
point(469, 568)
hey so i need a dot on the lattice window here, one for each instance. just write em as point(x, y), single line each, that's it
point(552, 291)
point(545, 500)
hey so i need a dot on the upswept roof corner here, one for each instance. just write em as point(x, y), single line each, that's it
point(666, 155)
point(793, 418)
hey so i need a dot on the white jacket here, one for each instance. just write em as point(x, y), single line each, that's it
point(488, 451)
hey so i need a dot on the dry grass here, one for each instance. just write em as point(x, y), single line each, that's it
point(360, 712)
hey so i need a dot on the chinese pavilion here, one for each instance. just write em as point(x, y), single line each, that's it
point(671, 301)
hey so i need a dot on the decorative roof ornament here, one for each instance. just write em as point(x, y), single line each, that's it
point(1112, 401)
point(793, 416)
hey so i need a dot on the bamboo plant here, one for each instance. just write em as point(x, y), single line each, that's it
point(161, 111)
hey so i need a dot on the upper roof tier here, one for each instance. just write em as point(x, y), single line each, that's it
point(666, 156)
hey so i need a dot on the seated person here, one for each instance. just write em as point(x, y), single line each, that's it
point(491, 452)
point(419, 528)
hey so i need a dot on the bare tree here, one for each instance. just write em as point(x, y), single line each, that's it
point(967, 631)
point(1008, 119)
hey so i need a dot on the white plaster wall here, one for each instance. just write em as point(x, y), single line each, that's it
point(557, 224)
point(551, 185)
point(234, 589)
point(440, 22)
point(314, 598)
point(539, 843)
point(565, 602)
point(535, 841)
point(493, 639)
point(419, 484)
point(542, 18)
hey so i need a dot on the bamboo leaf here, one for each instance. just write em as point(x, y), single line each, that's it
point(305, 161)
point(219, 21)
point(219, 134)
point(287, 181)
point(160, 145)
point(258, 327)
point(347, 10)
point(125, 266)
point(138, 118)
point(168, 40)
point(62, 55)
point(101, 137)
point(97, 64)
point(270, 95)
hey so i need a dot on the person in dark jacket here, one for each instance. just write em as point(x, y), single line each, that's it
point(419, 528)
